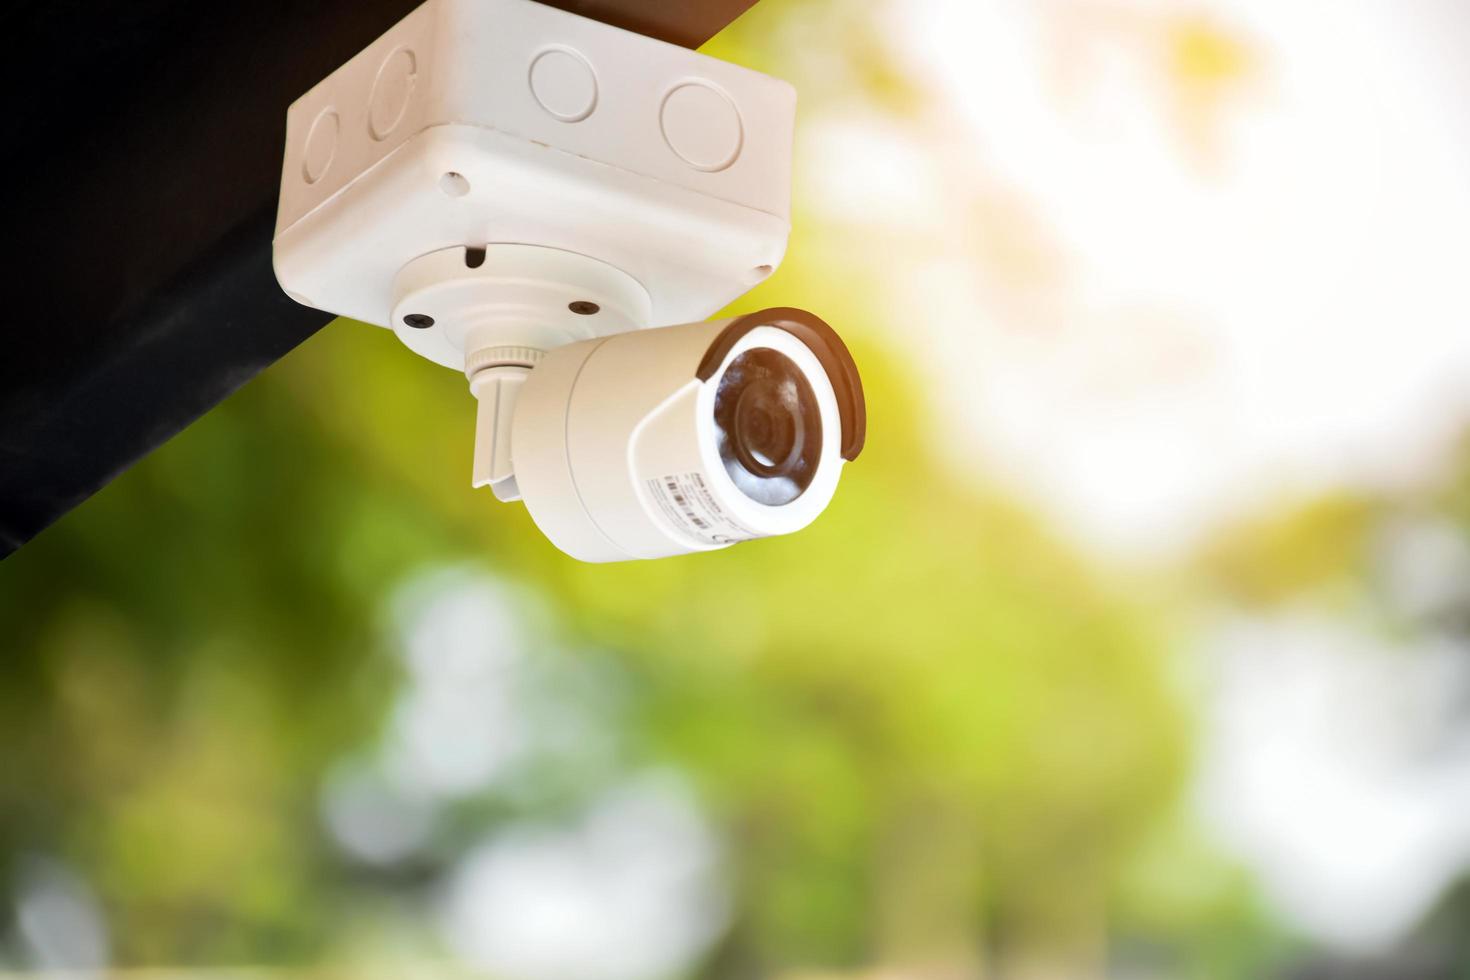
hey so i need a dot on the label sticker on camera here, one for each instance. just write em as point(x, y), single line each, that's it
point(691, 507)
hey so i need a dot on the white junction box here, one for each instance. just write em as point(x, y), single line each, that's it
point(476, 123)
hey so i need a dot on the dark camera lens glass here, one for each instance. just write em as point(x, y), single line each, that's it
point(769, 426)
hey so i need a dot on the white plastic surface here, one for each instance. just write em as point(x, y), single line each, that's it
point(615, 450)
point(475, 122)
point(496, 389)
point(521, 295)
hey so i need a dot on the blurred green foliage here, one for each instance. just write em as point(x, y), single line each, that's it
point(921, 722)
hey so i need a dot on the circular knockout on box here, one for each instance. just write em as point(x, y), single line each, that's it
point(564, 84)
point(702, 126)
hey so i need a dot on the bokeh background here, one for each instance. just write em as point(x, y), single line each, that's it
point(1136, 645)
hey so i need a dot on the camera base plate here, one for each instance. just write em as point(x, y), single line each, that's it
point(451, 303)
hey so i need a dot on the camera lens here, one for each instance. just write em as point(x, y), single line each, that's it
point(769, 426)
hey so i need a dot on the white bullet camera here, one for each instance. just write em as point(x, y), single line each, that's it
point(686, 438)
point(522, 194)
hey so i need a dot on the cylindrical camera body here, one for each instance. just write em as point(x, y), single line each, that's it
point(687, 438)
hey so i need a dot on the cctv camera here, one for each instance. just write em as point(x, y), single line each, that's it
point(687, 438)
point(523, 194)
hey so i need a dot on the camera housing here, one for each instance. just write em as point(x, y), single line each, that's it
point(687, 438)
point(520, 193)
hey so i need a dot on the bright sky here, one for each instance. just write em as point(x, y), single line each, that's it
point(1167, 263)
